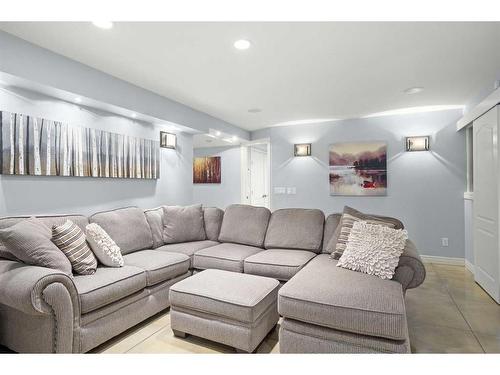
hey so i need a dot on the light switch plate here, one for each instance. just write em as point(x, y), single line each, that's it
point(279, 190)
point(291, 190)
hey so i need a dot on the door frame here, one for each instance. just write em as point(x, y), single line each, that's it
point(245, 169)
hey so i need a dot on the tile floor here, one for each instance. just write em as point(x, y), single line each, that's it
point(449, 313)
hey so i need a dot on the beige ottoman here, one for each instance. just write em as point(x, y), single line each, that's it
point(234, 309)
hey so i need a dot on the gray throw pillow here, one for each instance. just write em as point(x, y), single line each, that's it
point(338, 242)
point(183, 224)
point(30, 242)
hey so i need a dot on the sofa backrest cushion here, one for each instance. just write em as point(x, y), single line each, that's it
point(295, 228)
point(246, 225)
point(183, 224)
point(47, 220)
point(127, 227)
point(213, 221)
point(331, 223)
point(154, 217)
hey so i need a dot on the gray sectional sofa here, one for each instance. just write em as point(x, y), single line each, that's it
point(325, 308)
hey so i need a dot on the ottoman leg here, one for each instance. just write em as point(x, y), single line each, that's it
point(179, 334)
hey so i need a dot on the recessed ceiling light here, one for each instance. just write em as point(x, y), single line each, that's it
point(134, 115)
point(78, 100)
point(255, 110)
point(413, 90)
point(217, 133)
point(103, 24)
point(234, 138)
point(242, 44)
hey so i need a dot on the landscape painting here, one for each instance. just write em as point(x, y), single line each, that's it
point(358, 168)
point(40, 147)
point(206, 170)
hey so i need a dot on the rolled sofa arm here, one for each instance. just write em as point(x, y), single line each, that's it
point(410, 271)
point(42, 291)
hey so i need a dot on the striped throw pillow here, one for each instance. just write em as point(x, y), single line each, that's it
point(346, 224)
point(70, 239)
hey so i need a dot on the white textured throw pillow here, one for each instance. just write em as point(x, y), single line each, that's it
point(104, 248)
point(373, 249)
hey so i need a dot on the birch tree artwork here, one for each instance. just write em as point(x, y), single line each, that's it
point(41, 147)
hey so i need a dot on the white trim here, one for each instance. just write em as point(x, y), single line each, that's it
point(443, 260)
point(470, 266)
point(489, 102)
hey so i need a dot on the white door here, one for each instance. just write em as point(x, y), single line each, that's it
point(486, 249)
point(259, 196)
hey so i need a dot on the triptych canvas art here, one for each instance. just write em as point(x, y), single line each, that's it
point(41, 147)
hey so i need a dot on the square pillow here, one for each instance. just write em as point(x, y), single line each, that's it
point(373, 249)
point(29, 241)
point(183, 224)
point(337, 243)
point(70, 239)
point(103, 246)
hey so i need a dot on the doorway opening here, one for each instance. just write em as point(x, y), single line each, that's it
point(256, 173)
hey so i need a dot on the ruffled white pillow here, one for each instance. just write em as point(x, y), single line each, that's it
point(104, 248)
point(373, 249)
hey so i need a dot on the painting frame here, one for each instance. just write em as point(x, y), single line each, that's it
point(207, 170)
point(358, 168)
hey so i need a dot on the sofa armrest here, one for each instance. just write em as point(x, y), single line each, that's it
point(410, 271)
point(28, 288)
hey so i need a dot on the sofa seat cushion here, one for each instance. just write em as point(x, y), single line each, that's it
point(295, 228)
point(108, 285)
point(237, 297)
point(245, 225)
point(187, 248)
point(226, 256)
point(159, 265)
point(329, 296)
point(279, 264)
point(127, 226)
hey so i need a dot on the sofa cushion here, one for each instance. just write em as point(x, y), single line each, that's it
point(244, 225)
point(226, 256)
point(159, 265)
point(103, 246)
point(331, 224)
point(30, 241)
point(187, 248)
point(295, 228)
point(237, 297)
point(154, 217)
point(108, 285)
point(213, 221)
point(279, 264)
point(127, 227)
point(183, 224)
point(329, 296)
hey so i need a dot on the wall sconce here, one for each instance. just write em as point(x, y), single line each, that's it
point(417, 143)
point(302, 149)
point(168, 140)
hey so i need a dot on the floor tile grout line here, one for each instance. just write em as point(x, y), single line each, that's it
point(459, 310)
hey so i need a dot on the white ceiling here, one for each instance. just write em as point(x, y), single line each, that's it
point(293, 71)
point(206, 140)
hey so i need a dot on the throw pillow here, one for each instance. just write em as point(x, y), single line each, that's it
point(29, 241)
point(339, 239)
point(183, 224)
point(70, 239)
point(373, 249)
point(104, 248)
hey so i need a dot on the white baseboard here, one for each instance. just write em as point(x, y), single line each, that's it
point(470, 266)
point(443, 260)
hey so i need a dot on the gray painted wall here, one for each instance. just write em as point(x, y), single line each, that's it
point(229, 190)
point(425, 189)
point(38, 195)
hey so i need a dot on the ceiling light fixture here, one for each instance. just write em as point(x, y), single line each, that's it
point(134, 115)
point(242, 44)
point(217, 133)
point(78, 99)
point(106, 25)
point(413, 90)
point(412, 110)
